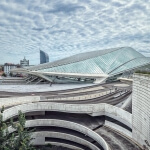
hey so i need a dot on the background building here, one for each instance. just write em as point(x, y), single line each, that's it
point(1, 70)
point(44, 58)
point(8, 67)
point(24, 63)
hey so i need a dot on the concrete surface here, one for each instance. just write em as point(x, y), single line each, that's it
point(82, 97)
point(40, 87)
point(117, 141)
point(121, 85)
point(86, 90)
point(120, 129)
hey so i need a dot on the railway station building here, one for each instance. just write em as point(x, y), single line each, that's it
point(90, 67)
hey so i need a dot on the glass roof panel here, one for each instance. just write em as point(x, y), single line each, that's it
point(106, 63)
point(132, 65)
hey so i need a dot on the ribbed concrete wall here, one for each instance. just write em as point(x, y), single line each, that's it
point(141, 109)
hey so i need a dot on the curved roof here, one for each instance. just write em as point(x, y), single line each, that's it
point(96, 62)
point(75, 58)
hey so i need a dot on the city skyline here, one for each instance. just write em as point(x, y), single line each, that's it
point(65, 28)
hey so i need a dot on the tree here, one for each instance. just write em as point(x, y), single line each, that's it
point(3, 134)
point(11, 74)
point(4, 75)
point(18, 140)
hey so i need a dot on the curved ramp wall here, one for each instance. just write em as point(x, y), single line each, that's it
point(39, 139)
point(91, 109)
point(64, 145)
point(69, 125)
point(141, 109)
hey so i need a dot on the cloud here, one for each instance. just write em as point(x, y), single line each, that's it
point(64, 28)
point(66, 8)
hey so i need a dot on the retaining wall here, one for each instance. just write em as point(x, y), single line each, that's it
point(12, 101)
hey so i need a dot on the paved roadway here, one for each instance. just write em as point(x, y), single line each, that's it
point(115, 140)
point(68, 92)
point(112, 98)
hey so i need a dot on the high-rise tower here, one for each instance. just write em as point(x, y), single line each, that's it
point(44, 58)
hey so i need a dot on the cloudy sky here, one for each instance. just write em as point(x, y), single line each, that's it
point(66, 27)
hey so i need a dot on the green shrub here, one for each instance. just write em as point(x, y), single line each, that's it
point(142, 72)
point(20, 139)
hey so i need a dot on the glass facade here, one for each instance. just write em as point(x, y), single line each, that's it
point(133, 64)
point(106, 63)
point(44, 58)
